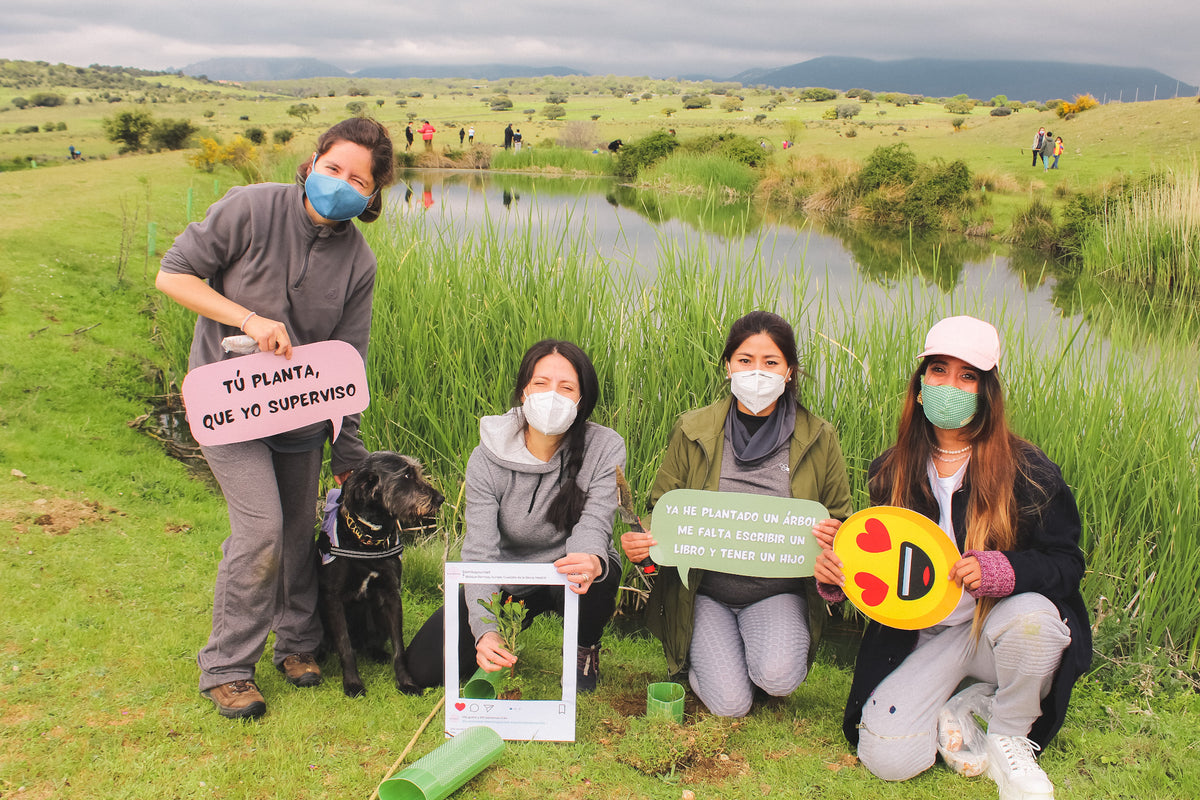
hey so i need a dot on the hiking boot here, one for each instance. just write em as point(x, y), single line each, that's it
point(960, 740)
point(300, 669)
point(237, 700)
point(1012, 766)
point(587, 668)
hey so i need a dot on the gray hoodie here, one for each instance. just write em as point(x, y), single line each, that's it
point(509, 490)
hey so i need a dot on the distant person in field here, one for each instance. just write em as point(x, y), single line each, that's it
point(1047, 150)
point(517, 140)
point(508, 137)
point(408, 136)
point(427, 131)
point(462, 136)
point(1058, 151)
point(615, 145)
point(471, 134)
point(1037, 145)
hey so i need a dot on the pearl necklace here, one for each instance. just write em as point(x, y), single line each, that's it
point(951, 456)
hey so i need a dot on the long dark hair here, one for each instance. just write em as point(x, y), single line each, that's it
point(567, 506)
point(369, 134)
point(780, 332)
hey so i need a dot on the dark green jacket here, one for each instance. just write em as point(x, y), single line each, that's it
point(693, 461)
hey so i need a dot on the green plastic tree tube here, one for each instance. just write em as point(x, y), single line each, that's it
point(482, 685)
point(665, 701)
point(443, 771)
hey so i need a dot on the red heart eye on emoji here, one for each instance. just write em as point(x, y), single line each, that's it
point(875, 539)
point(874, 591)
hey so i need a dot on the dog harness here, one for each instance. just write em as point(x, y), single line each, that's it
point(333, 507)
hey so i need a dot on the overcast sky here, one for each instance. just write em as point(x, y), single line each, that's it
point(647, 37)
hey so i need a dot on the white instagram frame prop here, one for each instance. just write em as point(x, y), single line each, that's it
point(514, 720)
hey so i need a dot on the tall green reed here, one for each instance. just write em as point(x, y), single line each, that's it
point(1150, 234)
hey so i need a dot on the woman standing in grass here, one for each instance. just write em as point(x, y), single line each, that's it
point(284, 265)
point(735, 634)
point(1021, 628)
point(540, 487)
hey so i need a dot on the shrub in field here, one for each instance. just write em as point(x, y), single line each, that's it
point(20, 102)
point(848, 110)
point(694, 101)
point(501, 104)
point(894, 164)
point(636, 156)
point(958, 122)
point(26, 129)
point(1000, 111)
point(1082, 102)
point(129, 128)
point(731, 104)
point(959, 106)
point(46, 99)
point(556, 97)
point(735, 147)
point(939, 190)
point(239, 154)
point(171, 134)
point(282, 136)
point(818, 94)
point(303, 111)
point(829, 113)
point(554, 111)
point(357, 107)
point(256, 135)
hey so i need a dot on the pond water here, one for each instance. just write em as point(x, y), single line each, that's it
point(629, 226)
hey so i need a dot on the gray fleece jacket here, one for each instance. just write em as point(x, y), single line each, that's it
point(258, 247)
point(508, 492)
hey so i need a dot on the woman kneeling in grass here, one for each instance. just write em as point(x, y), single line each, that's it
point(738, 635)
point(1021, 629)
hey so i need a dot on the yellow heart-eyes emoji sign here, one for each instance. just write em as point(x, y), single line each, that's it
point(897, 564)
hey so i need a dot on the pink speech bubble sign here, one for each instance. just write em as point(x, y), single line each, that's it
point(262, 394)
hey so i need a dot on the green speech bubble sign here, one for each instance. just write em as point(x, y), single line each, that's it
point(743, 534)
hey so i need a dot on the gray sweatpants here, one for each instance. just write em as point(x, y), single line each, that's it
point(733, 650)
point(1019, 651)
point(267, 578)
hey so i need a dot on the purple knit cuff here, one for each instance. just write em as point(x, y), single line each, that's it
point(830, 593)
point(996, 574)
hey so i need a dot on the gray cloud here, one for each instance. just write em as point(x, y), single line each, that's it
point(609, 36)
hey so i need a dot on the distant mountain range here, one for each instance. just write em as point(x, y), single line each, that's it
point(982, 80)
point(931, 77)
point(285, 69)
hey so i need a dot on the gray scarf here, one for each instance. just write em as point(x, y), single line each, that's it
point(752, 450)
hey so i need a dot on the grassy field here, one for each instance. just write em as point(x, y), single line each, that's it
point(110, 546)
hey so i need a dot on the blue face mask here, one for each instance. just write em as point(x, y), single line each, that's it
point(333, 198)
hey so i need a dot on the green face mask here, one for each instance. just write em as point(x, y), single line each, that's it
point(947, 407)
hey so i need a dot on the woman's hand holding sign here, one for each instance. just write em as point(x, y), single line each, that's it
point(828, 568)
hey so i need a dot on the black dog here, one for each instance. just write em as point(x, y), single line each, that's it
point(380, 503)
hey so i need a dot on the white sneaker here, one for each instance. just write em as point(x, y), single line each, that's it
point(960, 740)
point(1012, 766)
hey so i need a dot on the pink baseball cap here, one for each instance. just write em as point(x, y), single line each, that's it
point(973, 340)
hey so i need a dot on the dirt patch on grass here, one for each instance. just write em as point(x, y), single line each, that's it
point(53, 515)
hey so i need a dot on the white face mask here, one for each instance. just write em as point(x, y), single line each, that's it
point(756, 388)
point(549, 412)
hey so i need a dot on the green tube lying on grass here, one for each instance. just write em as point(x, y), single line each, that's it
point(443, 771)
